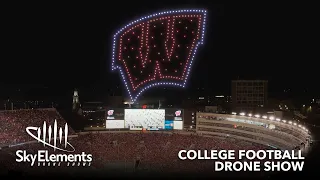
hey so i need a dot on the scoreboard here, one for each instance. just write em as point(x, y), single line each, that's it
point(174, 119)
point(149, 119)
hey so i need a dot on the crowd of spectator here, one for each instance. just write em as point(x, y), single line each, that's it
point(208, 117)
point(287, 129)
point(140, 150)
point(13, 124)
point(286, 133)
point(230, 133)
point(152, 150)
point(261, 131)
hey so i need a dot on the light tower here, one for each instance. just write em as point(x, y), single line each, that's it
point(75, 102)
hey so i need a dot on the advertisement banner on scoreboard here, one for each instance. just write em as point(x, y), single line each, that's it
point(115, 114)
point(114, 124)
point(153, 128)
point(174, 114)
point(136, 128)
point(168, 125)
point(178, 125)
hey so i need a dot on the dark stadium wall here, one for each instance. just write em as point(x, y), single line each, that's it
point(188, 117)
point(76, 121)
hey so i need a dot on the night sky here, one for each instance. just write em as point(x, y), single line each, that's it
point(53, 49)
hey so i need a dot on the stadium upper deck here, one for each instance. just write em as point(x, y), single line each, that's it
point(264, 130)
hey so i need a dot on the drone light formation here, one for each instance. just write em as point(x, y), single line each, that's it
point(158, 49)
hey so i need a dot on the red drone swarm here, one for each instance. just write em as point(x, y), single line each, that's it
point(159, 48)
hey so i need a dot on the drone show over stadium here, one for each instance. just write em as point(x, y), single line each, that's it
point(140, 125)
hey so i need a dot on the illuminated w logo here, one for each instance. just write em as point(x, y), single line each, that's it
point(158, 50)
point(47, 135)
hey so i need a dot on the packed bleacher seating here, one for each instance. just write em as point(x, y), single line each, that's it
point(264, 131)
point(155, 151)
point(13, 124)
point(284, 132)
point(277, 128)
point(243, 134)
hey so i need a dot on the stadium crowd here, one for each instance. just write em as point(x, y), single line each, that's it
point(286, 129)
point(286, 133)
point(13, 124)
point(151, 151)
point(136, 150)
point(263, 131)
point(159, 150)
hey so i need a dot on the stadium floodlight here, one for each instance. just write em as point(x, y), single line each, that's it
point(257, 115)
point(242, 114)
point(234, 113)
point(278, 119)
point(271, 117)
point(264, 117)
point(249, 115)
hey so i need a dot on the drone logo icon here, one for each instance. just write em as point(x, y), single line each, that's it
point(47, 136)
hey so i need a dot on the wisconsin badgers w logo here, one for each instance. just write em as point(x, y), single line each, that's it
point(158, 49)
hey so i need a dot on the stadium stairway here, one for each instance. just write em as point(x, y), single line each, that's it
point(76, 121)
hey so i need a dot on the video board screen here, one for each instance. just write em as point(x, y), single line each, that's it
point(176, 117)
point(114, 124)
point(112, 114)
point(168, 125)
point(144, 117)
point(174, 114)
point(178, 125)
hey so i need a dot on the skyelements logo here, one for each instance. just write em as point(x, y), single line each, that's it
point(57, 141)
